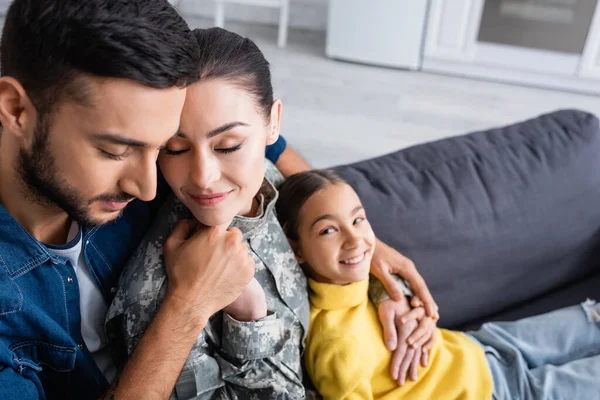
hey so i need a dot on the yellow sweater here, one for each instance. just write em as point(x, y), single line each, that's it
point(346, 357)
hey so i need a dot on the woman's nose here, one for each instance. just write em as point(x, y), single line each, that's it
point(206, 171)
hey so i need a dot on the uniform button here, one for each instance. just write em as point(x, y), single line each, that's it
point(113, 290)
point(70, 279)
point(80, 345)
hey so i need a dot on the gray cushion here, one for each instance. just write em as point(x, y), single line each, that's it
point(493, 220)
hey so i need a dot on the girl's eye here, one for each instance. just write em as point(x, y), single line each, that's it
point(358, 220)
point(229, 150)
point(326, 231)
point(174, 152)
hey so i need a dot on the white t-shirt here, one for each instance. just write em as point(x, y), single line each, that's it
point(91, 302)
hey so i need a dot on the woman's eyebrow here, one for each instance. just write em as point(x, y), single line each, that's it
point(225, 128)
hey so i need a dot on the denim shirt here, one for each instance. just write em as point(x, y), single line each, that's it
point(42, 352)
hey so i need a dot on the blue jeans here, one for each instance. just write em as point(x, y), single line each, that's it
point(550, 356)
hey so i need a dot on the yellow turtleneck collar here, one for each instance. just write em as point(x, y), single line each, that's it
point(326, 296)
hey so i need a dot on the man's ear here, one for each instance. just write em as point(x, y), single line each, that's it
point(17, 113)
point(275, 122)
point(296, 249)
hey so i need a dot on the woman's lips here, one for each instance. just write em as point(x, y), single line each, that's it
point(207, 200)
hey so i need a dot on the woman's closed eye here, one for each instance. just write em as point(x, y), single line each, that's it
point(229, 150)
point(225, 150)
point(170, 152)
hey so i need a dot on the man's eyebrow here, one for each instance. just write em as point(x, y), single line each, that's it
point(119, 140)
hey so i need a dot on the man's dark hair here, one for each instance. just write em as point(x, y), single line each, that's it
point(48, 44)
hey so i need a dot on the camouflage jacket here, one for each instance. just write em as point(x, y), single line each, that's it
point(231, 359)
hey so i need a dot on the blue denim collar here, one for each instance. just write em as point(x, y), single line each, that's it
point(19, 251)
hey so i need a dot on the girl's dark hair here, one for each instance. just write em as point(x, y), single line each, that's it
point(295, 191)
point(227, 55)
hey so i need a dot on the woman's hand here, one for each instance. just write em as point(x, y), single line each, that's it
point(206, 281)
point(251, 305)
point(386, 262)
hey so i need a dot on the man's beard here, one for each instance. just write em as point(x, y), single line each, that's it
point(43, 184)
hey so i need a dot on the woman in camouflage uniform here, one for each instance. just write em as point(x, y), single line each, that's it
point(216, 168)
point(215, 165)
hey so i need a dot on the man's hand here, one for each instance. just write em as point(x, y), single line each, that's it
point(210, 269)
point(251, 305)
point(398, 324)
point(386, 262)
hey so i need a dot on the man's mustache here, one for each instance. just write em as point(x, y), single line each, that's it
point(117, 198)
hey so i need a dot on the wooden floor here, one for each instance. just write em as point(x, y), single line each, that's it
point(337, 112)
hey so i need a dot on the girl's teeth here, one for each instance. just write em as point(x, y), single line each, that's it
point(354, 260)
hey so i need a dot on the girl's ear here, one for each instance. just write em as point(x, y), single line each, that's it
point(296, 249)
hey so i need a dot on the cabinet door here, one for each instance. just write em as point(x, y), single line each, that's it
point(452, 29)
point(590, 59)
point(383, 32)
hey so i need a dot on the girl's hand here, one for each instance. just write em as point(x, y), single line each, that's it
point(423, 338)
point(396, 330)
point(251, 305)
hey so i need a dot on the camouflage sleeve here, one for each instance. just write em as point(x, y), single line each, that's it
point(123, 331)
point(252, 340)
point(378, 294)
point(140, 288)
point(254, 363)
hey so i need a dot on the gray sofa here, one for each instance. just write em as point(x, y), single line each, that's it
point(502, 224)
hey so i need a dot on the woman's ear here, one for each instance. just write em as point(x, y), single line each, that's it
point(275, 122)
point(17, 113)
point(296, 249)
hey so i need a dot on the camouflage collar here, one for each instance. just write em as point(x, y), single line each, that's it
point(266, 196)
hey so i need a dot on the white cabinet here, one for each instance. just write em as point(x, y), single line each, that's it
point(590, 63)
point(453, 45)
point(452, 29)
point(380, 32)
